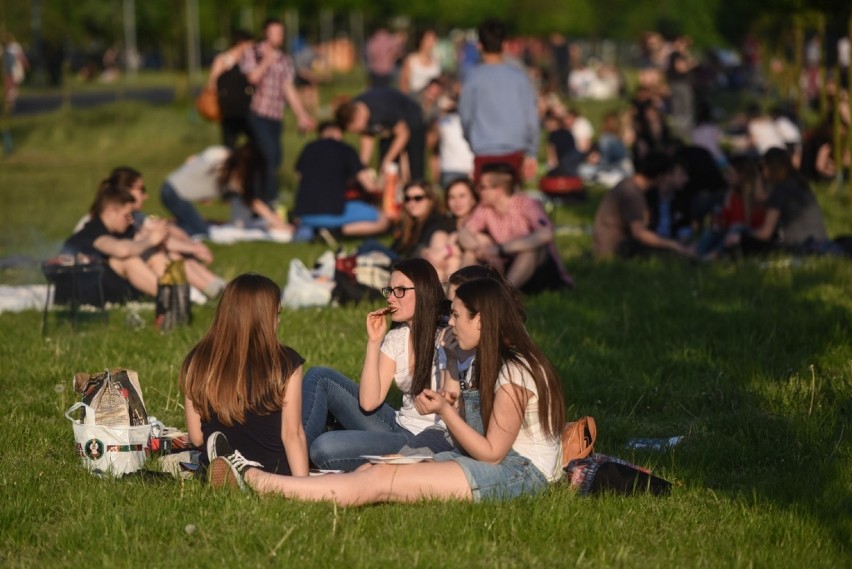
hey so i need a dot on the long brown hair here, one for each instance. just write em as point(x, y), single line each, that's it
point(109, 192)
point(429, 307)
point(780, 167)
point(504, 339)
point(125, 176)
point(237, 173)
point(239, 366)
point(410, 228)
point(748, 180)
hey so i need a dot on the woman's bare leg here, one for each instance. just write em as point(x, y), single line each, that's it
point(379, 483)
point(198, 275)
point(524, 266)
point(366, 228)
point(137, 272)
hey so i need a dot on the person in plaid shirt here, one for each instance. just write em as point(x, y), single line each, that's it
point(511, 232)
point(271, 71)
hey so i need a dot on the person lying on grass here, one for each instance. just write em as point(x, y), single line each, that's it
point(517, 396)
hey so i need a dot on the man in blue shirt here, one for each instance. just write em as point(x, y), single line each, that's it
point(498, 108)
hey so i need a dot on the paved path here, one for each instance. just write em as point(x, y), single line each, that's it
point(33, 104)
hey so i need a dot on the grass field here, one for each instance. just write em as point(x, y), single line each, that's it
point(751, 362)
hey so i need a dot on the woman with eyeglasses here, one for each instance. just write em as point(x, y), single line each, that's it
point(403, 354)
point(508, 436)
point(422, 216)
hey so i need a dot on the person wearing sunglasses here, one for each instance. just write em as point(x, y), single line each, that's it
point(422, 216)
point(108, 237)
point(509, 437)
point(402, 354)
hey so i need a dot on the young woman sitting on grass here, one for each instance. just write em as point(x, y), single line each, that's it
point(422, 216)
point(443, 250)
point(240, 381)
point(131, 265)
point(179, 245)
point(403, 355)
point(517, 397)
point(793, 221)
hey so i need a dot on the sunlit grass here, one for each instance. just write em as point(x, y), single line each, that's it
point(751, 362)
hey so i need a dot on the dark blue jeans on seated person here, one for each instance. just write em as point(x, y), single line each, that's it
point(186, 216)
point(328, 392)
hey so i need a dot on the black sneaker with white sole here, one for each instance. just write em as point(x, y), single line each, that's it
point(228, 471)
point(218, 445)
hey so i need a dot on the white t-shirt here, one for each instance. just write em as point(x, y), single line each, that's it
point(583, 132)
point(543, 451)
point(707, 136)
point(456, 155)
point(788, 130)
point(395, 346)
point(197, 178)
point(765, 135)
point(843, 51)
point(420, 74)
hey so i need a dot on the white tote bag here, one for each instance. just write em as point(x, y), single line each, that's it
point(108, 450)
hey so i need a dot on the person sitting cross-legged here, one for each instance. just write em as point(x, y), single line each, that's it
point(131, 265)
point(327, 167)
point(511, 232)
point(508, 443)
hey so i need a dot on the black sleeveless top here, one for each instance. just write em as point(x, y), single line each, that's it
point(259, 438)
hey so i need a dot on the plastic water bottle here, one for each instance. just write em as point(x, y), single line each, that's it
point(653, 444)
point(390, 199)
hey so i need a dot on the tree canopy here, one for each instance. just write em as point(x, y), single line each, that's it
point(161, 23)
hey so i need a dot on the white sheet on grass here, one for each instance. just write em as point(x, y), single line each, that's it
point(227, 234)
point(31, 297)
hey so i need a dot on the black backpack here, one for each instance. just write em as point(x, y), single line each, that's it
point(234, 93)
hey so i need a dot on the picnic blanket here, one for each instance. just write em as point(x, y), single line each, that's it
point(228, 234)
point(22, 297)
point(31, 297)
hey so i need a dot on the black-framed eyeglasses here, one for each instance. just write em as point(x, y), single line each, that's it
point(398, 291)
point(417, 198)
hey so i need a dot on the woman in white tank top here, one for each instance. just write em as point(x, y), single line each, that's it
point(421, 66)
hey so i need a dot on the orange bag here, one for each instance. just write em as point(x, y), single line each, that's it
point(207, 104)
point(578, 439)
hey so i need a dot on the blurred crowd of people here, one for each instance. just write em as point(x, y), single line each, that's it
point(450, 132)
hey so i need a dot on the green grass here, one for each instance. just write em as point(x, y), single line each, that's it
point(751, 362)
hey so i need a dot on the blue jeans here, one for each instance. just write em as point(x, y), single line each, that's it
point(353, 212)
point(514, 476)
point(266, 134)
point(328, 392)
point(186, 216)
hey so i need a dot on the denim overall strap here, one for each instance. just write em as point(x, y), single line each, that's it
point(472, 410)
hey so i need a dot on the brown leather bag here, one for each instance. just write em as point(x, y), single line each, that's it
point(578, 439)
point(207, 104)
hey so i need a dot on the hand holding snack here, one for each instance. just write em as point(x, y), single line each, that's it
point(377, 325)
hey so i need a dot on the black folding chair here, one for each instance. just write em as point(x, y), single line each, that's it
point(74, 284)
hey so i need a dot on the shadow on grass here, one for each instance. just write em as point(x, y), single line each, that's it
point(750, 362)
